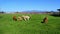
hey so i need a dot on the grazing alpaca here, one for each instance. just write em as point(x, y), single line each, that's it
point(45, 20)
point(14, 18)
point(26, 17)
point(19, 18)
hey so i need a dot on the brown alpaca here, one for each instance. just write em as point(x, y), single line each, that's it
point(14, 18)
point(45, 20)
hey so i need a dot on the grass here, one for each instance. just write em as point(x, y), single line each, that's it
point(33, 26)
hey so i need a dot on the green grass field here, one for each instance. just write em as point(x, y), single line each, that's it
point(33, 26)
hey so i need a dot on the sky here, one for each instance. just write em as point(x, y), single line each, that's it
point(25, 5)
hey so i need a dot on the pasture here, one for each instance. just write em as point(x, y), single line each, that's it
point(33, 26)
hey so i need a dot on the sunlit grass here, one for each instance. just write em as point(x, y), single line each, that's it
point(33, 26)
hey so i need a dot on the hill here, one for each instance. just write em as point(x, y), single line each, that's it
point(33, 26)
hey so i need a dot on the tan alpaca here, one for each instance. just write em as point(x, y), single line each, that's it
point(45, 20)
point(19, 18)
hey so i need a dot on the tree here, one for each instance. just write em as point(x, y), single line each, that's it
point(2, 12)
point(59, 11)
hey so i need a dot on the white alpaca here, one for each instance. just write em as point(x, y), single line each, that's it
point(26, 17)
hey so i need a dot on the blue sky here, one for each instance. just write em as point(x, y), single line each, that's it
point(24, 5)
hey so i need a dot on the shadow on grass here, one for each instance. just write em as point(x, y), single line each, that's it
point(55, 15)
point(42, 22)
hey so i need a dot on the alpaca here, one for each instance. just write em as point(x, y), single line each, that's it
point(25, 17)
point(45, 20)
point(14, 18)
point(19, 18)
